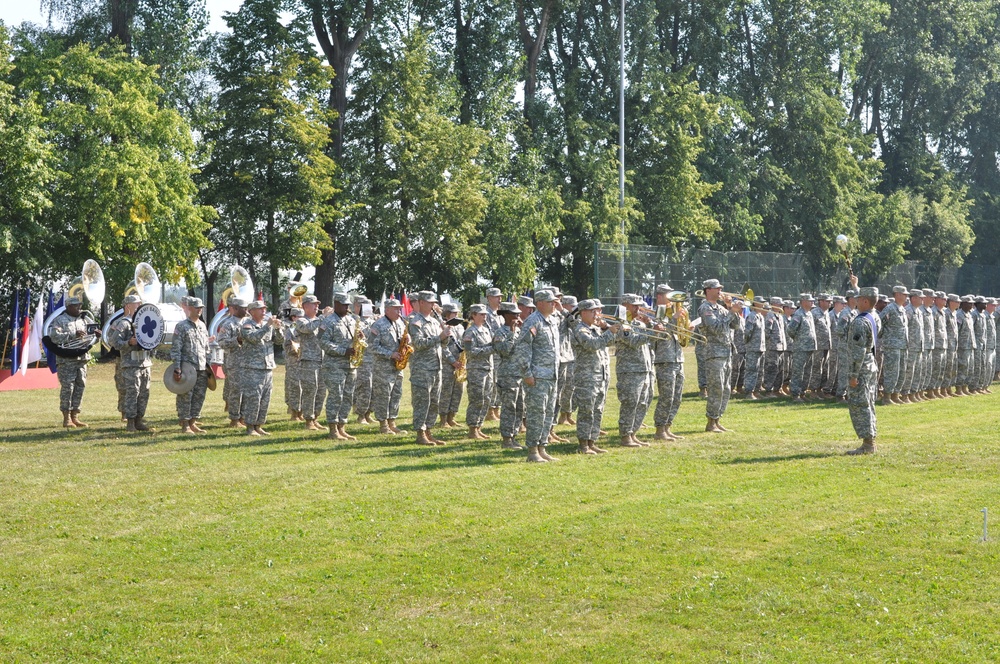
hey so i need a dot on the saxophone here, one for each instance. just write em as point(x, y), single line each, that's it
point(358, 344)
point(460, 372)
point(404, 350)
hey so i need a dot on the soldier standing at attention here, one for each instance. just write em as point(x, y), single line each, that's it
point(632, 366)
point(754, 345)
point(493, 322)
point(363, 385)
point(951, 356)
point(228, 337)
point(291, 347)
point(336, 336)
point(477, 343)
point(966, 344)
point(862, 338)
point(134, 366)
point(190, 344)
point(787, 308)
point(72, 371)
point(257, 367)
point(774, 348)
point(451, 389)
point(927, 314)
point(802, 331)
point(894, 343)
point(508, 375)
point(843, 322)
point(668, 364)
point(939, 359)
point(991, 345)
point(387, 381)
point(590, 344)
point(537, 357)
point(567, 359)
point(428, 340)
point(824, 342)
point(310, 362)
point(915, 346)
point(717, 324)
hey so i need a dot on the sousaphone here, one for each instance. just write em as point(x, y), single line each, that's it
point(89, 286)
point(146, 284)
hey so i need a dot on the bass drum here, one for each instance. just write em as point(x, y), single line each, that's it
point(148, 326)
point(107, 328)
point(215, 353)
point(172, 315)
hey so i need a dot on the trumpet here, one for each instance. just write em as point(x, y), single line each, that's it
point(748, 295)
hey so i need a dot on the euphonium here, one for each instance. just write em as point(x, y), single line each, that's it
point(460, 371)
point(358, 345)
point(404, 350)
point(683, 320)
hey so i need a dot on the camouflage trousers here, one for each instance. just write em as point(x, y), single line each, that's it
point(135, 389)
point(894, 363)
point(773, 374)
point(72, 382)
point(832, 371)
point(965, 366)
point(511, 405)
point(293, 388)
point(938, 361)
point(818, 370)
point(950, 367)
point(913, 371)
point(754, 362)
point(633, 395)
point(591, 395)
point(232, 393)
point(363, 387)
point(670, 390)
point(120, 386)
point(425, 393)
point(480, 390)
point(189, 405)
point(861, 404)
point(979, 359)
point(926, 370)
point(700, 360)
point(567, 386)
point(718, 370)
point(843, 365)
point(539, 410)
point(451, 391)
point(739, 367)
point(495, 396)
point(312, 389)
point(339, 381)
point(801, 371)
point(387, 390)
point(256, 386)
point(988, 369)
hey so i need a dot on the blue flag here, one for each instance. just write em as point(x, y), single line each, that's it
point(50, 358)
point(15, 329)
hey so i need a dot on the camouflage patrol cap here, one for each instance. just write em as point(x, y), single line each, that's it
point(450, 307)
point(824, 296)
point(555, 291)
point(940, 294)
point(295, 311)
point(568, 302)
point(310, 299)
point(851, 292)
point(711, 283)
point(952, 297)
point(477, 309)
point(392, 302)
point(967, 298)
point(788, 303)
point(900, 289)
point(759, 298)
point(545, 296)
point(928, 292)
point(185, 301)
point(361, 299)
point(427, 296)
point(237, 302)
point(839, 299)
point(73, 300)
point(131, 299)
point(341, 298)
point(916, 292)
point(777, 301)
point(806, 297)
point(883, 298)
point(508, 308)
point(589, 305)
point(980, 299)
point(493, 292)
point(256, 304)
point(525, 301)
point(195, 303)
point(633, 299)
point(869, 291)
point(663, 288)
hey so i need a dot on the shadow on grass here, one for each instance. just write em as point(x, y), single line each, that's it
point(778, 459)
point(425, 460)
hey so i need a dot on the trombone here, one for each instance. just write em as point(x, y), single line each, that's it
point(669, 334)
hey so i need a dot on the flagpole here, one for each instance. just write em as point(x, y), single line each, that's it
point(4, 358)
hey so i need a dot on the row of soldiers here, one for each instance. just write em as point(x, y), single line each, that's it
point(934, 345)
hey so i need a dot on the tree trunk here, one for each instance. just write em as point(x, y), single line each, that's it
point(121, 22)
point(533, 46)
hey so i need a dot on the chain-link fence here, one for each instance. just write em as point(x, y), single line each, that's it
point(766, 273)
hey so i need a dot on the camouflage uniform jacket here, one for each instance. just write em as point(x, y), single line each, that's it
point(991, 332)
point(842, 324)
point(774, 332)
point(504, 343)
point(753, 332)
point(979, 328)
point(308, 330)
point(666, 348)
point(824, 341)
point(928, 316)
point(895, 327)
point(453, 346)
point(951, 325)
point(966, 334)
point(632, 354)
point(717, 324)
point(63, 330)
point(190, 344)
point(426, 342)
point(915, 328)
point(258, 345)
point(861, 338)
point(566, 352)
point(384, 337)
point(227, 335)
point(336, 336)
point(590, 344)
point(802, 330)
point(940, 329)
point(132, 356)
point(537, 351)
point(477, 342)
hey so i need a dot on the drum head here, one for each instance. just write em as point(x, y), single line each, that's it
point(148, 326)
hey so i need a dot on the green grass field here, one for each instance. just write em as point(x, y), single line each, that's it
point(766, 544)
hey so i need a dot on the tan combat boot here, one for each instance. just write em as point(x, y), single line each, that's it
point(422, 439)
point(444, 420)
point(74, 415)
point(194, 426)
point(639, 442)
point(671, 433)
point(259, 429)
point(370, 417)
point(343, 432)
point(233, 424)
point(334, 432)
point(313, 425)
point(140, 425)
point(626, 438)
point(393, 427)
point(251, 431)
point(451, 420)
point(472, 434)
point(67, 421)
point(593, 445)
point(585, 448)
point(569, 420)
point(361, 419)
point(491, 415)
point(545, 455)
point(131, 425)
point(710, 425)
point(867, 447)
point(533, 455)
point(186, 427)
point(510, 444)
point(661, 434)
point(718, 425)
point(481, 435)
point(383, 428)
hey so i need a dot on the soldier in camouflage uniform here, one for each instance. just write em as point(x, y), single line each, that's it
point(824, 342)
point(291, 348)
point(774, 347)
point(894, 344)
point(387, 381)
point(718, 324)
point(190, 344)
point(537, 356)
point(429, 339)
point(979, 355)
point(927, 365)
point(841, 324)
point(788, 309)
point(939, 354)
point(72, 371)
point(135, 364)
point(632, 367)
point(738, 352)
point(227, 336)
point(951, 354)
point(336, 337)
point(802, 330)
point(991, 345)
point(451, 359)
point(363, 385)
point(257, 367)
point(914, 346)
point(493, 322)
point(701, 368)
point(590, 345)
point(862, 338)
point(567, 360)
point(754, 344)
point(527, 307)
point(508, 374)
point(311, 385)
point(668, 366)
point(966, 344)
point(477, 342)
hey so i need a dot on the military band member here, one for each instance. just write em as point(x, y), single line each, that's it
point(895, 343)
point(717, 324)
point(451, 389)
point(567, 360)
point(135, 364)
point(527, 307)
point(802, 330)
point(291, 347)
point(190, 344)
point(227, 336)
point(387, 381)
point(632, 367)
point(738, 351)
point(508, 375)
point(336, 336)
point(775, 345)
point(477, 342)
point(363, 384)
point(537, 357)
point(429, 340)
point(72, 371)
point(493, 321)
point(668, 365)
point(754, 344)
point(591, 338)
point(256, 374)
point(862, 338)
point(311, 385)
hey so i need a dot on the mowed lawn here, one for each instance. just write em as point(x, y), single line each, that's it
point(766, 544)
